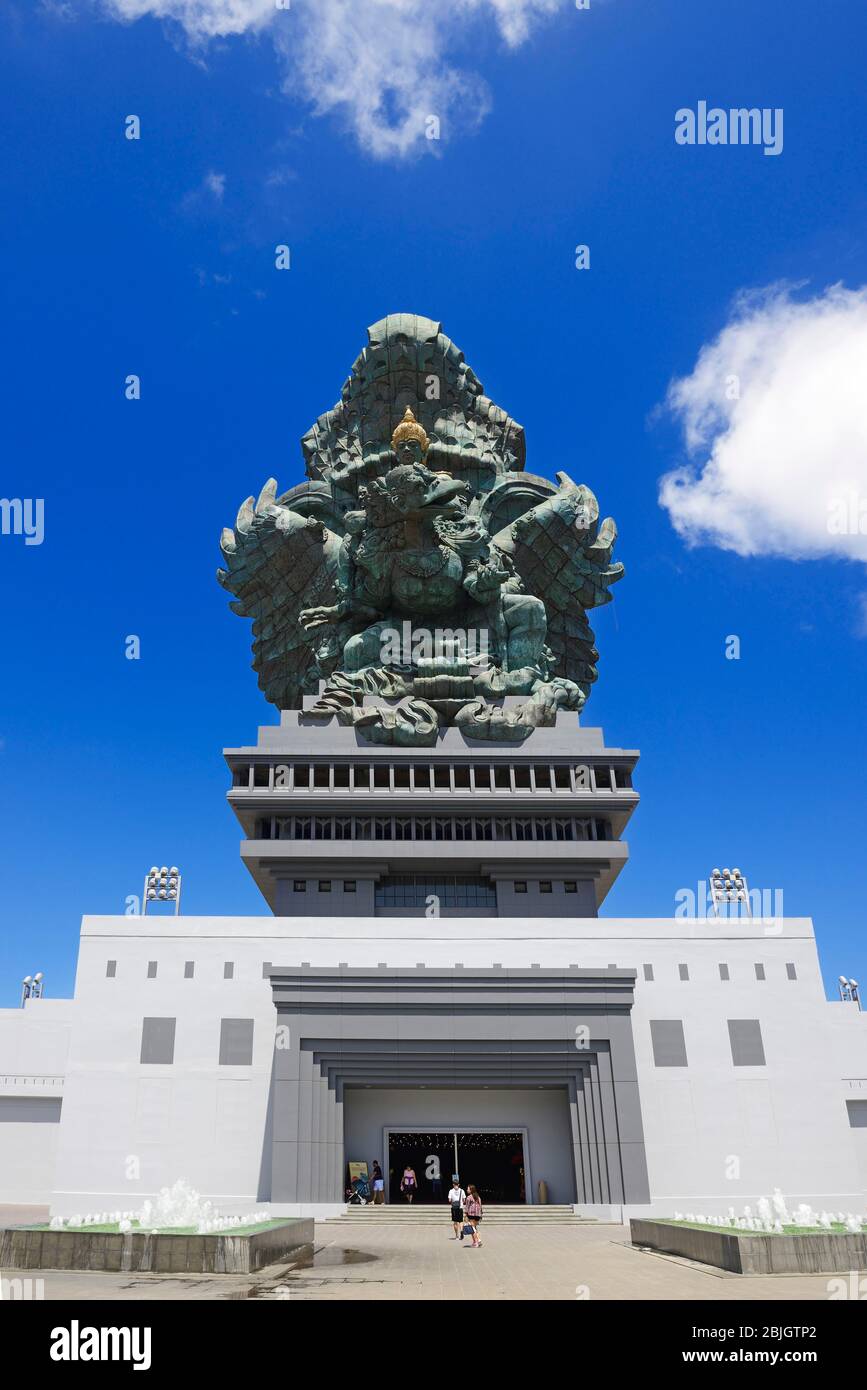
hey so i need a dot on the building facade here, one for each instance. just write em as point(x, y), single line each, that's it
point(434, 832)
point(435, 980)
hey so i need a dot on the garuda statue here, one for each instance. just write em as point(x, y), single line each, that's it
point(421, 578)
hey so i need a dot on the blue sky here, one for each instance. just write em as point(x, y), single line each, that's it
point(156, 257)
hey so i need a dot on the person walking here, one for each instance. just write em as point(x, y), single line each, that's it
point(473, 1209)
point(409, 1183)
point(378, 1184)
point(457, 1197)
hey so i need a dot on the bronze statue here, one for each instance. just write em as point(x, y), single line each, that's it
point(436, 527)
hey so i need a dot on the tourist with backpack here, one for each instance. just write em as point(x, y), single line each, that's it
point(473, 1211)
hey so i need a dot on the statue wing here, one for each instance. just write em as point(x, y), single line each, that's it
point(278, 562)
point(562, 553)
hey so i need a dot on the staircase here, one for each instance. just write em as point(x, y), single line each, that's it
point(434, 1215)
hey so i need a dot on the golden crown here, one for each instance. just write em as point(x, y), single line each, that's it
point(409, 428)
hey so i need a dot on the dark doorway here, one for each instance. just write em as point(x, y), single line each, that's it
point(494, 1163)
point(431, 1156)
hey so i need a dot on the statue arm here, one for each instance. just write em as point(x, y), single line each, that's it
point(352, 598)
point(485, 580)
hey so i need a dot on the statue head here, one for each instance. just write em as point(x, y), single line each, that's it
point(414, 491)
point(409, 441)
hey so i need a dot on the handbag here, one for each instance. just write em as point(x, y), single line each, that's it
point(467, 1230)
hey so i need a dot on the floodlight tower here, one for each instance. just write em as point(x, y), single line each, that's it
point(31, 987)
point(162, 885)
point(849, 991)
point(729, 886)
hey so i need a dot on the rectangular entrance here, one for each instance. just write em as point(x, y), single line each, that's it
point(421, 1164)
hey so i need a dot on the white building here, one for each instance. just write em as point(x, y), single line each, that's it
point(633, 1066)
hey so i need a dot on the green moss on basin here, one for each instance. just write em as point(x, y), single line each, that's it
point(836, 1228)
point(112, 1228)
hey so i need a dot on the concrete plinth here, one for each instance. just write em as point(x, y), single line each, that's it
point(741, 1252)
point(227, 1253)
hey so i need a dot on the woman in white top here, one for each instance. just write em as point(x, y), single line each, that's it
point(457, 1197)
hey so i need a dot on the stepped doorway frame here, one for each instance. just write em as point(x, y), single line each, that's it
point(461, 1028)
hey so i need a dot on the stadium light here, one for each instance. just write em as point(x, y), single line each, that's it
point(729, 886)
point(32, 987)
point(162, 885)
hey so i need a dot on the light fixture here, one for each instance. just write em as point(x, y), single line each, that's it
point(849, 991)
point(162, 885)
point(32, 987)
point(729, 886)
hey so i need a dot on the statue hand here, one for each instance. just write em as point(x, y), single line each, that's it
point(318, 617)
point(491, 576)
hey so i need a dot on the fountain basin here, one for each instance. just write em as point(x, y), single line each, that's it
point(749, 1252)
point(162, 1252)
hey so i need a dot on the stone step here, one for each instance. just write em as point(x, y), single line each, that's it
point(491, 1220)
point(432, 1210)
point(434, 1207)
point(435, 1216)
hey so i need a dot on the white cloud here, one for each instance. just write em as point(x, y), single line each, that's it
point(201, 19)
point(200, 200)
point(781, 467)
point(216, 184)
point(381, 65)
point(278, 178)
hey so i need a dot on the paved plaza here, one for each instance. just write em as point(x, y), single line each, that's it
point(354, 1260)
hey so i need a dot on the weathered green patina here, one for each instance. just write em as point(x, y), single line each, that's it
point(421, 576)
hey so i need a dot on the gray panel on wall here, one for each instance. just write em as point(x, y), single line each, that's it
point(745, 1036)
point(158, 1040)
point(791, 972)
point(152, 969)
point(236, 1042)
point(189, 969)
point(760, 971)
point(110, 969)
point(669, 1044)
point(229, 970)
point(683, 971)
point(857, 1113)
point(44, 1110)
point(648, 972)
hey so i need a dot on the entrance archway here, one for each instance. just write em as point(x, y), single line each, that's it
point(427, 1030)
